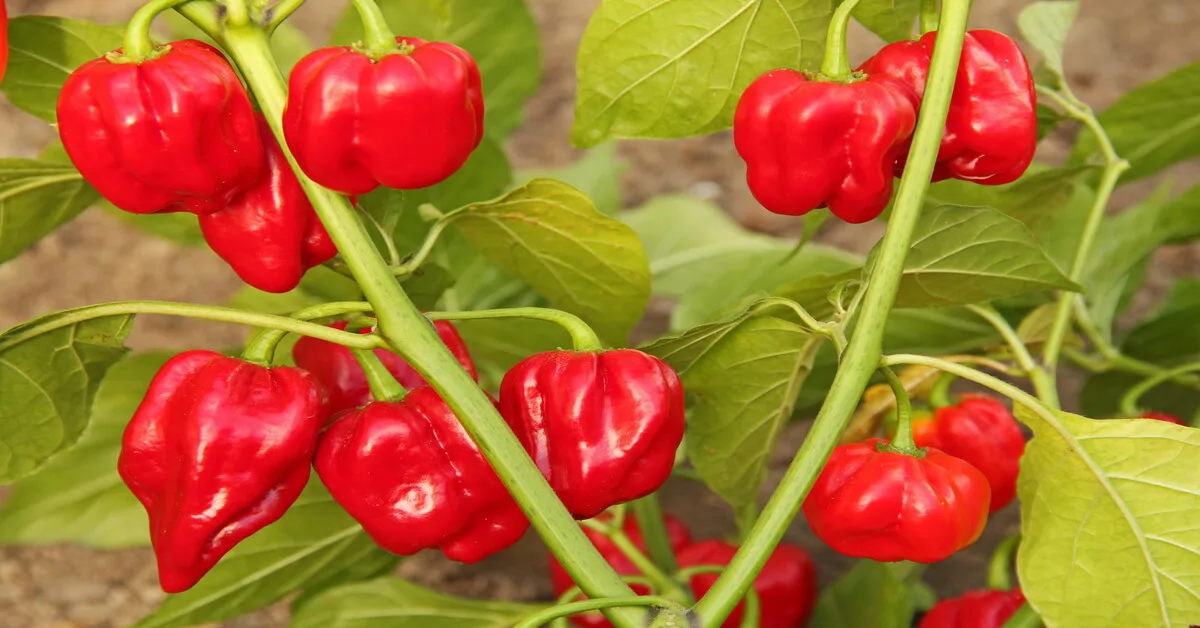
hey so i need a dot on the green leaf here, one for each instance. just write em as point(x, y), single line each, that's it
point(1101, 396)
point(1178, 218)
point(963, 255)
point(37, 197)
point(179, 227)
point(314, 540)
point(50, 369)
point(549, 235)
point(1045, 26)
point(319, 285)
point(1108, 522)
point(395, 603)
point(597, 174)
point(77, 497)
point(500, 34)
point(744, 386)
point(1172, 331)
point(870, 594)
point(497, 345)
point(649, 68)
point(892, 20)
point(1048, 119)
point(1117, 264)
point(1153, 126)
point(43, 51)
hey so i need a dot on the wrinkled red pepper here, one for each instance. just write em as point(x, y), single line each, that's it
point(172, 133)
point(412, 476)
point(977, 609)
point(3, 39)
point(270, 234)
point(786, 586)
point(343, 379)
point(602, 427)
point(218, 449)
point(810, 144)
point(981, 431)
point(991, 130)
point(887, 506)
point(406, 121)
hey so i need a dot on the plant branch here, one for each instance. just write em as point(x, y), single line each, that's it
point(1025, 617)
point(1043, 383)
point(280, 12)
point(650, 521)
point(543, 617)
point(138, 45)
point(418, 259)
point(1001, 565)
point(1129, 402)
point(582, 335)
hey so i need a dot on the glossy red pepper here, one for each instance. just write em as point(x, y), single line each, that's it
point(172, 133)
point(677, 532)
point(406, 121)
point(886, 506)
point(977, 609)
point(342, 377)
point(810, 144)
point(218, 449)
point(3, 39)
point(412, 476)
point(991, 130)
point(602, 427)
point(981, 431)
point(1162, 416)
point(270, 234)
point(786, 586)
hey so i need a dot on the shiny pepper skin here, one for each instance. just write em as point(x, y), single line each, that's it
point(991, 130)
point(977, 609)
point(810, 144)
point(172, 133)
point(412, 476)
point(3, 39)
point(677, 532)
point(406, 121)
point(981, 431)
point(889, 506)
point(270, 234)
point(343, 379)
point(218, 449)
point(1162, 416)
point(602, 427)
point(786, 586)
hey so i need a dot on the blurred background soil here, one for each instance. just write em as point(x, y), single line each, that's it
point(1115, 45)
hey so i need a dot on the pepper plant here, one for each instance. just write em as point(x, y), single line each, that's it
point(399, 273)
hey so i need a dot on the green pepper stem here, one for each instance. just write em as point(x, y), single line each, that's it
point(660, 580)
point(650, 520)
point(205, 14)
point(582, 336)
point(939, 395)
point(1129, 401)
point(1043, 383)
point(379, 39)
point(836, 66)
point(863, 352)
point(138, 46)
point(903, 439)
point(545, 616)
point(261, 347)
point(280, 12)
point(1025, 617)
point(929, 15)
point(1000, 566)
point(409, 333)
point(418, 259)
point(237, 13)
point(383, 384)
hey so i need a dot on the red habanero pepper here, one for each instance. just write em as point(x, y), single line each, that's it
point(888, 506)
point(218, 449)
point(412, 476)
point(270, 234)
point(343, 379)
point(406, 121)
point(810, 144)
point(602, 427)
point(677, 532)
point(1162, 416)
point(786, 586)
point(977, 609)
point(174, 132)
point(991, 130)
point(3, 39)
point(981, 431)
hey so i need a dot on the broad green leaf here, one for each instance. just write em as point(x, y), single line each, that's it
point(37, 197)
point(77, 497)
point(812, 292)
point(870, 594)
point(500, 34)
point(1108, 513)
point(1178, 219)
point(1048, 119)
point(43, 51)
point(683, 349)
point(549, 235)
point(1034, 329)
point(376, 565)
point(649, 68)
point(1101, 396)
point(319, 285)
point(1117, 264)
point(1045, 26)
point(396, 603)
point(1173, 331)
point(1155, 125)
point(179, 227)
point(892, 20)
point(306, 547)
point(497, 345)
point(597, 174)
point(50, 368)
point(744, 389)
point(963, 255)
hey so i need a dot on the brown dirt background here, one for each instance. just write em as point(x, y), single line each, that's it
point(1115, 45)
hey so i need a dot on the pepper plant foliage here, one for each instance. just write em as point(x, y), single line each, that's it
point(1033, 280)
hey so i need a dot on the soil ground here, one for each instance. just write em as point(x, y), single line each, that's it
point(1115, 45)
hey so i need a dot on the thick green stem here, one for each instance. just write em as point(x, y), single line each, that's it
point(650, 521)
point(410, 334)
point(205, 14)
point(383, 384)
point(379, 39)
point(1025, 617)
point(1129, 402)
point(903, 440)
point(237, 14)
point(1001, 565)
point(138, 45)
point(861, 357)
point(280, 12)
point(929, 15)
point(836, 65)
point(582, 336)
